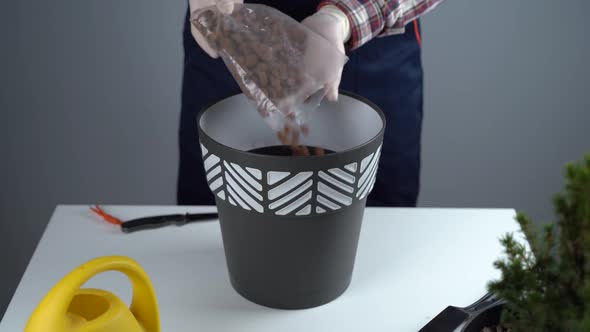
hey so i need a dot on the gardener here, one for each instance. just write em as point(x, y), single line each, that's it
point(385, 70)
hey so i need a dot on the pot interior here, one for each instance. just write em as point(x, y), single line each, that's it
point(339, 126)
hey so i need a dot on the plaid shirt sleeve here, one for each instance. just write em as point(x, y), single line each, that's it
point(375, 18)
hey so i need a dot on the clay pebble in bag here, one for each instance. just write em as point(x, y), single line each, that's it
point(267, 53)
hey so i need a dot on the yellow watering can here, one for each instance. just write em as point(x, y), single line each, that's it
point(68, 308)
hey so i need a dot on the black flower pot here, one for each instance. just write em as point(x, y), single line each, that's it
point(291, 224)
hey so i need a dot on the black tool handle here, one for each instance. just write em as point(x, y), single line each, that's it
point(163, 221)
point(487, 301)
point(487, 316)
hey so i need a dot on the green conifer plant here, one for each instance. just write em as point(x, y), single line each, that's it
point(546, 281)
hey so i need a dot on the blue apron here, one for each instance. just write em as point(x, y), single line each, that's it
point(387, 71)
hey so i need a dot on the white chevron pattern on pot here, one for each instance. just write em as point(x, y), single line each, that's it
point(213, 170)
point(243, 188)
point(368, 173)
point(290, 193)
point(335, 189)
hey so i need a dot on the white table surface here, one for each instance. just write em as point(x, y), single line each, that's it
point(411, 264)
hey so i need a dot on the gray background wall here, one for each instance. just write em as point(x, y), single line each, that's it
point(89, 104)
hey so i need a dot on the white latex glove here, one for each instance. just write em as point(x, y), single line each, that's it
point(224, 6)
point(332, 24)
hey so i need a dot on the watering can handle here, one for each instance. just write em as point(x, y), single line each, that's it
point(55, 305)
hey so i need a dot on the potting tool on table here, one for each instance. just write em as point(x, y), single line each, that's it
point(67, 307)
point(450, 318)
point(153, 222)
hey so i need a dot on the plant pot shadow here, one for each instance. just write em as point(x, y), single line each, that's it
point(211, 292)
point(369, 268)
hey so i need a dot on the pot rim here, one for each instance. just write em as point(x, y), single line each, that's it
point(353, 95)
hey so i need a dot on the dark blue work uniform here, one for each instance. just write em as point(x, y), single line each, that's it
point(387, 71)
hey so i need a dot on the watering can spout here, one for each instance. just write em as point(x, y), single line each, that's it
point(67, 307)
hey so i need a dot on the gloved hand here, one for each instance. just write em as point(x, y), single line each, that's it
point(334, 26)
point(224, 6)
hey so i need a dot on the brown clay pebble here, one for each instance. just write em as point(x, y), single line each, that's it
point(262, 78)
point(270, 92)
point(282, 69)
point(301, 150)
point(320, 152)
point(287, 130)
point(283, 136)
point(262, 67)
point(290, 136)
point(275, 29)
point(251, 60)
point(294, 138)
point(297, 35)
point(258, 49)
point(275, 82)
point(227, 45)
point(305, 130)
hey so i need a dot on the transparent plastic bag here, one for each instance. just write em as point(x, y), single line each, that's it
point(274, 60)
